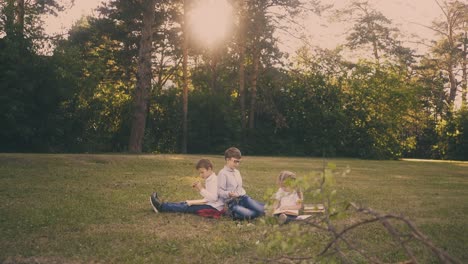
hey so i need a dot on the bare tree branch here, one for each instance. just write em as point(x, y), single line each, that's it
point(342, 246)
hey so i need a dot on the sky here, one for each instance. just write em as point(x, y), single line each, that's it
point(406, 15)
point(403, 13)
point(64, 21)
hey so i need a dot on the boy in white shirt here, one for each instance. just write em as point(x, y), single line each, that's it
point(209, 206)
point(231, 192)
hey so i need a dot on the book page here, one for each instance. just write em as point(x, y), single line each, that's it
point(314, 208)
point(288, 212)
point(196, 202)
point(303, 217)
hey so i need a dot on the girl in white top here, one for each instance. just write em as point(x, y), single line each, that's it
point(288, 200)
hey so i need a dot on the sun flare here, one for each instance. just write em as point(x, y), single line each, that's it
point(210, 21)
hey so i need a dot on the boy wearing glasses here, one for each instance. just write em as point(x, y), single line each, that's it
point(240, 205)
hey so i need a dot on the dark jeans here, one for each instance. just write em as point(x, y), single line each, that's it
point(183, 207)
point(245, 208)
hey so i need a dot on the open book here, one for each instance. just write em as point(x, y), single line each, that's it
point(303, 217)
point(196, 202)
point(286, 211)
point(313, 208)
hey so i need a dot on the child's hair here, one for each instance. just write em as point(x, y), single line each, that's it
point(204, 163)
point(232, 152)
point(286, 175)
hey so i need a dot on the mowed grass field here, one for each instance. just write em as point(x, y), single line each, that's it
point(95, 208)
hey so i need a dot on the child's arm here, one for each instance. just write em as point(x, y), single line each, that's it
point(222, 192)
point(276, 204)
point(297, 206)
point(277, 201)
point(210, 192)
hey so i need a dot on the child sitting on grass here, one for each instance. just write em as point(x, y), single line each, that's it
point(240, 205)
point(288, 200)
point(209, 206)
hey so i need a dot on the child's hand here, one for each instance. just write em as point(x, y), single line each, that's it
point(197, 185)
point(233, 195)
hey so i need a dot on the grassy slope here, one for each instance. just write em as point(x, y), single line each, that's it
point(94, 208)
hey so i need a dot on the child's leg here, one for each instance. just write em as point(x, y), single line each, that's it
point(292, 218)
point(183, 207)
point(193, 209)
point(256, 206)
point(284, 218)
point(239, 212)
point(174, 207)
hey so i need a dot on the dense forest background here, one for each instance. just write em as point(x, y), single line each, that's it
point(89, 91)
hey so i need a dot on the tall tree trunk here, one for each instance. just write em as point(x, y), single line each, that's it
point(144, 77)
point(453, 20)
point(253, 88)
point(214, 70)
point(10, 18)
point(375, 46)
point(185, 80)
point(376, 52)
point(464, 71)
point(242, 36)
point(453, 84)
point(20, 17)
point(450, 69)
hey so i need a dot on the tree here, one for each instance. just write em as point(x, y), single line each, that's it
point(144, 77)
point(102, 75)
point(32, 87)
point(260, 41)
point(458, 145)
point(242, 32)
point(432, 108)
point(185, 79)
point(464, 98)
point(20, 17)
point(372, 28)
point(449, 49)
point(379, 102)
point(32, 91)
point(124, 19)
point(23, 18)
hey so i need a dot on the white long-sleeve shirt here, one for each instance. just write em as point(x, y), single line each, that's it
point(210, 192)
point(229, 180)
point(287, 198)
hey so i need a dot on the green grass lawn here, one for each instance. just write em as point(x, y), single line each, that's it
point(95, 208)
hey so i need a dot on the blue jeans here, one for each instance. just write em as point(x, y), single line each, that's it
point(183, 207)
point(245, 208)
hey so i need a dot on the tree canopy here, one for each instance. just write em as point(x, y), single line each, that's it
point(392, 102)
